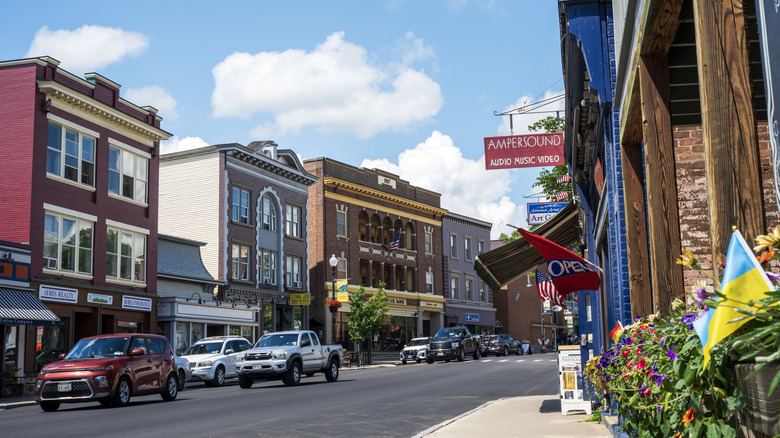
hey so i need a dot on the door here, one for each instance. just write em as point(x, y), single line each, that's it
point(142, 366)
point(319, 352)
point(308, 354)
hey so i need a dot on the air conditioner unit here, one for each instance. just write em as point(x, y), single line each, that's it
point(50, 263)
point(297, 284)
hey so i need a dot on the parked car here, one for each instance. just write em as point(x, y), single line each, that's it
point(184, 370)
point(109, 369)
point(286, 355)
point(47, 357)
point(503, 344)
point(452, 343)
point(213, 359)
point(414, 350)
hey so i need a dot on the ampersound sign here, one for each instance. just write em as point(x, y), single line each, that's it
point(528, 150)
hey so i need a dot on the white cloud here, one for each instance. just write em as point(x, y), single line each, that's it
point(413, 49)
point(333, 88)
point(521, 121)
point(466, 187)
point(88, 48)
point(156, 97)
point(178, 144)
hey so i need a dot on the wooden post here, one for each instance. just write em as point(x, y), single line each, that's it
point(661, 181)
point(728, 123)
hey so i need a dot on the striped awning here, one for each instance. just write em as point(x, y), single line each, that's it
point(18, 307)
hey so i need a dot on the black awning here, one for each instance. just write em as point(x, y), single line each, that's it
point(19, 307)
point(500, 266)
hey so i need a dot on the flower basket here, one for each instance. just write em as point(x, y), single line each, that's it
point(333, 309)
point(333, 305)
point(761, 413)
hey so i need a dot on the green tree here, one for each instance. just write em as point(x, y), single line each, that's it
point(366, 314)
point(547, 124)
point(547, 179)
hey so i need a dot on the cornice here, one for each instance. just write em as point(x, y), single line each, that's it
point(373, 193)
point(272, 167)
point(69, 100)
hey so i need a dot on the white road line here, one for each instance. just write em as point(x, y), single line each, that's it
point(488, 360)
point(537, 360)
point(503, 360)
point(520, 360)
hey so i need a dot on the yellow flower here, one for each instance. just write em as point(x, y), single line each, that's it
point(689, 416)
point(770, 240)
point(689, 259)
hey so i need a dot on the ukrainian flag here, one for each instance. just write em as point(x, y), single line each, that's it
point(743, 280)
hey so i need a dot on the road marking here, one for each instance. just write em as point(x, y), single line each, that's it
point(503, 360)
point(537, 360)
point(488, 360)
point(521, 360)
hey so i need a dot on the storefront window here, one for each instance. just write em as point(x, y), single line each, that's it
point(234, 330)
point(298, 318)
point(50, 343)
point(196, 332)
point(268, 311)
point(129, 327)
point(247, 333)
point(11, 347)
point(182, 337)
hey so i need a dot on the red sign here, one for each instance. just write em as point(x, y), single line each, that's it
point(529, 150)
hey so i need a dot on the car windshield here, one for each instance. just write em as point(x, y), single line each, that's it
point(99, 347)
point(444, 333)
point(493, 338)
point(204, 348)
point(278, 340)
point(416, 342)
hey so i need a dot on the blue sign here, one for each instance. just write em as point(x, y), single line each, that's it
point(472, 317)
point(540, 212)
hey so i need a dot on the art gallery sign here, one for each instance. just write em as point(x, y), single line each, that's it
point(528, 150)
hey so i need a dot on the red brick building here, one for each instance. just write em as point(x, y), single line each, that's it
point(79, 177)
point(352, 213)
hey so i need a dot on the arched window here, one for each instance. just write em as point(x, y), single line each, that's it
point(398, 226)
point(409, 236)
point(269, 214)
point(387, 229)
point(375, 237)
point(362, 225)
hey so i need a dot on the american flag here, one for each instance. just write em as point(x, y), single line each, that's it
point(392, 246)
point(563, 178)
point(561, 195)
point(546, 290)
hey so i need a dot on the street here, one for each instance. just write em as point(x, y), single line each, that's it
point(378, 402)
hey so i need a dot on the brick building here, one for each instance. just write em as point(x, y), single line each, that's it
point(248, 205)
point(353, 212)
point(79, 178)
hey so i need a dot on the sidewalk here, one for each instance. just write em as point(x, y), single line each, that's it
point(533, 416)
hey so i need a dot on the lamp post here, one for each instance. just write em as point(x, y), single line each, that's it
point(333, 263)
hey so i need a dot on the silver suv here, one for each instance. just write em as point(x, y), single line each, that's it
point(213, 359)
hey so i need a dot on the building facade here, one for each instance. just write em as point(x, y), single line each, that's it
point(249, 205)
point(469, 301)
point(80, 188)
point(354, 212)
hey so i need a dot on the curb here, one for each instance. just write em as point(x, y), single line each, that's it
point(452, 420)
point(5, 406)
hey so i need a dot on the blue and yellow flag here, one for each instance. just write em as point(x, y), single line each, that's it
point(743, 280)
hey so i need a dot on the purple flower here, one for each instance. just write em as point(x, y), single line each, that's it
point(689, 317)
point(659, 407)
point(775, 278)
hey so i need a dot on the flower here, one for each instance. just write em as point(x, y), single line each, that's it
point(689, 259)
point(333, 303)
point(769, 240)
point(689, 416)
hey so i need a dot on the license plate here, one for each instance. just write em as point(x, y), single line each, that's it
point(63, 387)
point(441, 353)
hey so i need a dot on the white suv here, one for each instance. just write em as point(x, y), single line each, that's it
point(213, 359)
point(414, 350)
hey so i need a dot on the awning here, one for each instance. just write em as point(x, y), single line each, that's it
point(18, 307)
point(502, 265)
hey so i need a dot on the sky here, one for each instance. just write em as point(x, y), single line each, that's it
point(408, 86)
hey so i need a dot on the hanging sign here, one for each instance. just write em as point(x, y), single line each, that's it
point(528, 150)
point(539, 212)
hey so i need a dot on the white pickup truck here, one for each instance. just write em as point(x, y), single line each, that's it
point(287, 355)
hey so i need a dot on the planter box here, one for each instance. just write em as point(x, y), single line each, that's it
point(761, 412)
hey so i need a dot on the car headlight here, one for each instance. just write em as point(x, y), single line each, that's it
point(455, 344)
point(205, 363)
point(281, 354)
point(105, 368)
point(101, 381)
point(38, 384)
point(240, 357)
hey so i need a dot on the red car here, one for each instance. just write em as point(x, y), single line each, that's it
point(109, 369)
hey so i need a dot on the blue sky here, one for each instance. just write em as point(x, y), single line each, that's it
point(407, 86)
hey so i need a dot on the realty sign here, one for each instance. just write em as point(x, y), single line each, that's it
point(540, 212)
point(529, 150)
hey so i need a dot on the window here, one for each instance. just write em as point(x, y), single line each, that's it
point(240, 258)
point(341, 223)
point(269, 214)
point(454, 288)
point(429, 282)
point(469, 289)
point(269, 266)
point(467, 248)
point(453, 246)
point(428, 243)
point(70, 155)
point(292, 220)
point(240, 206)
point(482, 294)
point(480, 247)
point(125, 255)
point(293, 273)
point(127, 174)
point(67, 244)
point(341, 269)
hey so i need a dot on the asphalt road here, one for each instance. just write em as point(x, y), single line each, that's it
point(378, 402)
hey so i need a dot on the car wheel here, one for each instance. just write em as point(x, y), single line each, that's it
point(182, 379)
point(404, 362)
point(418, 360)
point(50, 406)
point(123, 392)
point(429, 360)
point(461, 355)
point(332, 372)
point(476, 354)
point(219, 377)
point(506, 351)
point(518, 351)
point(245, 382)
point(171, 389)
point(293, 376)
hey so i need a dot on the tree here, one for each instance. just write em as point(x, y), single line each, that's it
point(547, 124)
point(366, 314)
point(547, 179)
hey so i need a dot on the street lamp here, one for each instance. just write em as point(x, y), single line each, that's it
point(333, 263)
